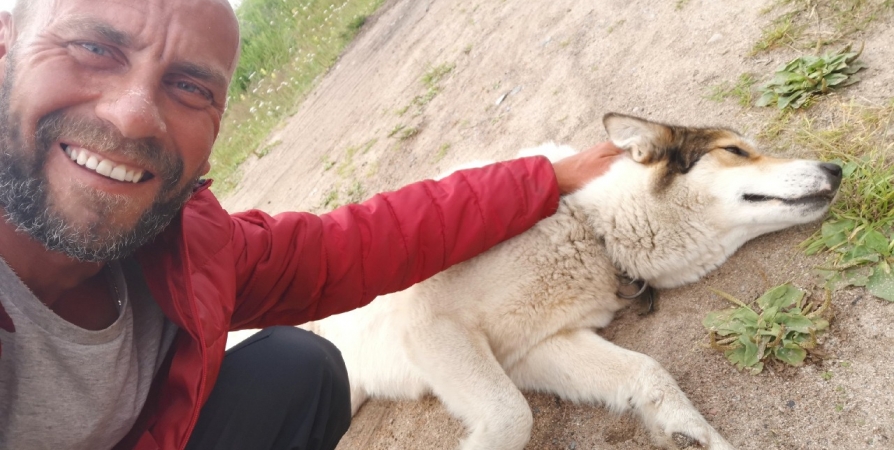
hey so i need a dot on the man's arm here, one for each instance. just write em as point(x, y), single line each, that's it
point(297, 267)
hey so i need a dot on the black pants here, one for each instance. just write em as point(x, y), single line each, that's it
point(282, 388)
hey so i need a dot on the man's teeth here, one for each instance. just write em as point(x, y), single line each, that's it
point(104, 167)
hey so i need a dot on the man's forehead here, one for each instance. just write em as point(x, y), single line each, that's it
point(203, 28)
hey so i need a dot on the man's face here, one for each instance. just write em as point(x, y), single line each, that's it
point(108, 111)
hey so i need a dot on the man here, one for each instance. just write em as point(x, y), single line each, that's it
point(120, 274)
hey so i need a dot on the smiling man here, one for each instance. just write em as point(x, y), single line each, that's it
point(120, 274)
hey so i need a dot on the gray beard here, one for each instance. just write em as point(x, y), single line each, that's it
point(24, 187)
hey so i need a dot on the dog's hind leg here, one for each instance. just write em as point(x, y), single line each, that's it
point(581, 366)
point(464, 374)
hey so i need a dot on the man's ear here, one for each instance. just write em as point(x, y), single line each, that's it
point(7, 33)
point(642, 138)
point(7, 38)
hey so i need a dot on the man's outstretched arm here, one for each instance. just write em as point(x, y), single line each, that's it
point(296, 267)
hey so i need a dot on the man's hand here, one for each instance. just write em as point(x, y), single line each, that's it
point(574, 172)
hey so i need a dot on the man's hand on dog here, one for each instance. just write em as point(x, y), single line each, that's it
point(573, 172)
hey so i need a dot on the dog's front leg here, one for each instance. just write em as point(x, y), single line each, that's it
point(581, 366)
point(464, 374)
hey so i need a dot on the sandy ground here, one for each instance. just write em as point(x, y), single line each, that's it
point(561, 65)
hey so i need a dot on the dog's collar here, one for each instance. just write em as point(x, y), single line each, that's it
point(643, 290)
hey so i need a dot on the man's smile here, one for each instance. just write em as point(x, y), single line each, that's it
point(104, 166)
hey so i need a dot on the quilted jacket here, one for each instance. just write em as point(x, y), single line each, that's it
point(212, 272)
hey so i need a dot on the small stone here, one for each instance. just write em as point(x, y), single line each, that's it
point(790, 403)
point(715, 38)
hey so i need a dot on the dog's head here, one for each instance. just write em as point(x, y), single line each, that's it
point(686, 198)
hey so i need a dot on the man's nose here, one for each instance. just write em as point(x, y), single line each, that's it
point(134, 110)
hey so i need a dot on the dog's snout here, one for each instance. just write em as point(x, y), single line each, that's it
point(834, 172)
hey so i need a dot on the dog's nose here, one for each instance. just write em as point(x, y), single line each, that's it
point(834, 172)
point(832, 169)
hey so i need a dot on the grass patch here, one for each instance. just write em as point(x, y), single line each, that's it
point(431, 82)
point(815, 24)
point(442, 152)
point(741, 90)
point(781, 325)
point(286, 46)
point(859, 232)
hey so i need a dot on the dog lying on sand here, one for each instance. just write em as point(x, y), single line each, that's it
point(521, 316)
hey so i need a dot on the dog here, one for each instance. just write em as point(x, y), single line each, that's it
point(521, 315)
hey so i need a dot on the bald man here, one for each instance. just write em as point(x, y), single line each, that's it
point(120, 274)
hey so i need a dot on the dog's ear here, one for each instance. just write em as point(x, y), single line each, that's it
point(642, 138)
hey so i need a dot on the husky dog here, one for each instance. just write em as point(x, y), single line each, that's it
point(521, 315)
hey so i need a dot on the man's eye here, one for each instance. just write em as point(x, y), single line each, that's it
point(192, 89)
point(93, 48)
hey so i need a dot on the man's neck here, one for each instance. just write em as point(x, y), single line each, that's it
point(48, 274)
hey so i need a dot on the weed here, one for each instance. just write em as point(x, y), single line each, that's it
point(397, 129)
point(783, 328)
point(436, 74)
point(615, 25)
point(330, 200)
point(467, 49)
point(442, 151)
point(815, 24)
point(355, 193)
point(681, 4)
point(859, 233)
point(267, 148)
point(346, 168)
point(803, 78)
point(782, 31)
point(740, 90)
point(827, 375)
point(408, 133)
point(368, 145)
point(327, 163)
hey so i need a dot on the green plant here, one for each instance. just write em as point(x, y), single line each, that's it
point(859, 233)
point(330, 200)
point(740, 90)
point(783, 326)
point(797, 82)
point(442, 151)
point(327, 163)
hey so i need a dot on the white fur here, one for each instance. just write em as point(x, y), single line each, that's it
point(520, 316)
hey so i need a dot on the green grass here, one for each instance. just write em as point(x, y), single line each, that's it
point(741, 90)
point(286, 46)
point(859, 232)
point(813, 24)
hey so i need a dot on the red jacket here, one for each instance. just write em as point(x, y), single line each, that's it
point(212, 272)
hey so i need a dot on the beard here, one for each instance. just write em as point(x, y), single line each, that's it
point(25, 188)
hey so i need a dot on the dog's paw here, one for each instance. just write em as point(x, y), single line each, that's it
point(684, 441)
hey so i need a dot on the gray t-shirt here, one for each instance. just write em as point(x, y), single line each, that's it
point(62, 386)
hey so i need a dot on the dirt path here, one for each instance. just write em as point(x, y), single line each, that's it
point(561, 65)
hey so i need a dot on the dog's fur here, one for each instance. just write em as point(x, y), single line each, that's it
point(521, 316)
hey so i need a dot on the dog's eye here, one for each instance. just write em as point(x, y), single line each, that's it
point(736, 151)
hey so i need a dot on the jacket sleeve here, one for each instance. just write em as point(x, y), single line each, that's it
point(297, 267)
